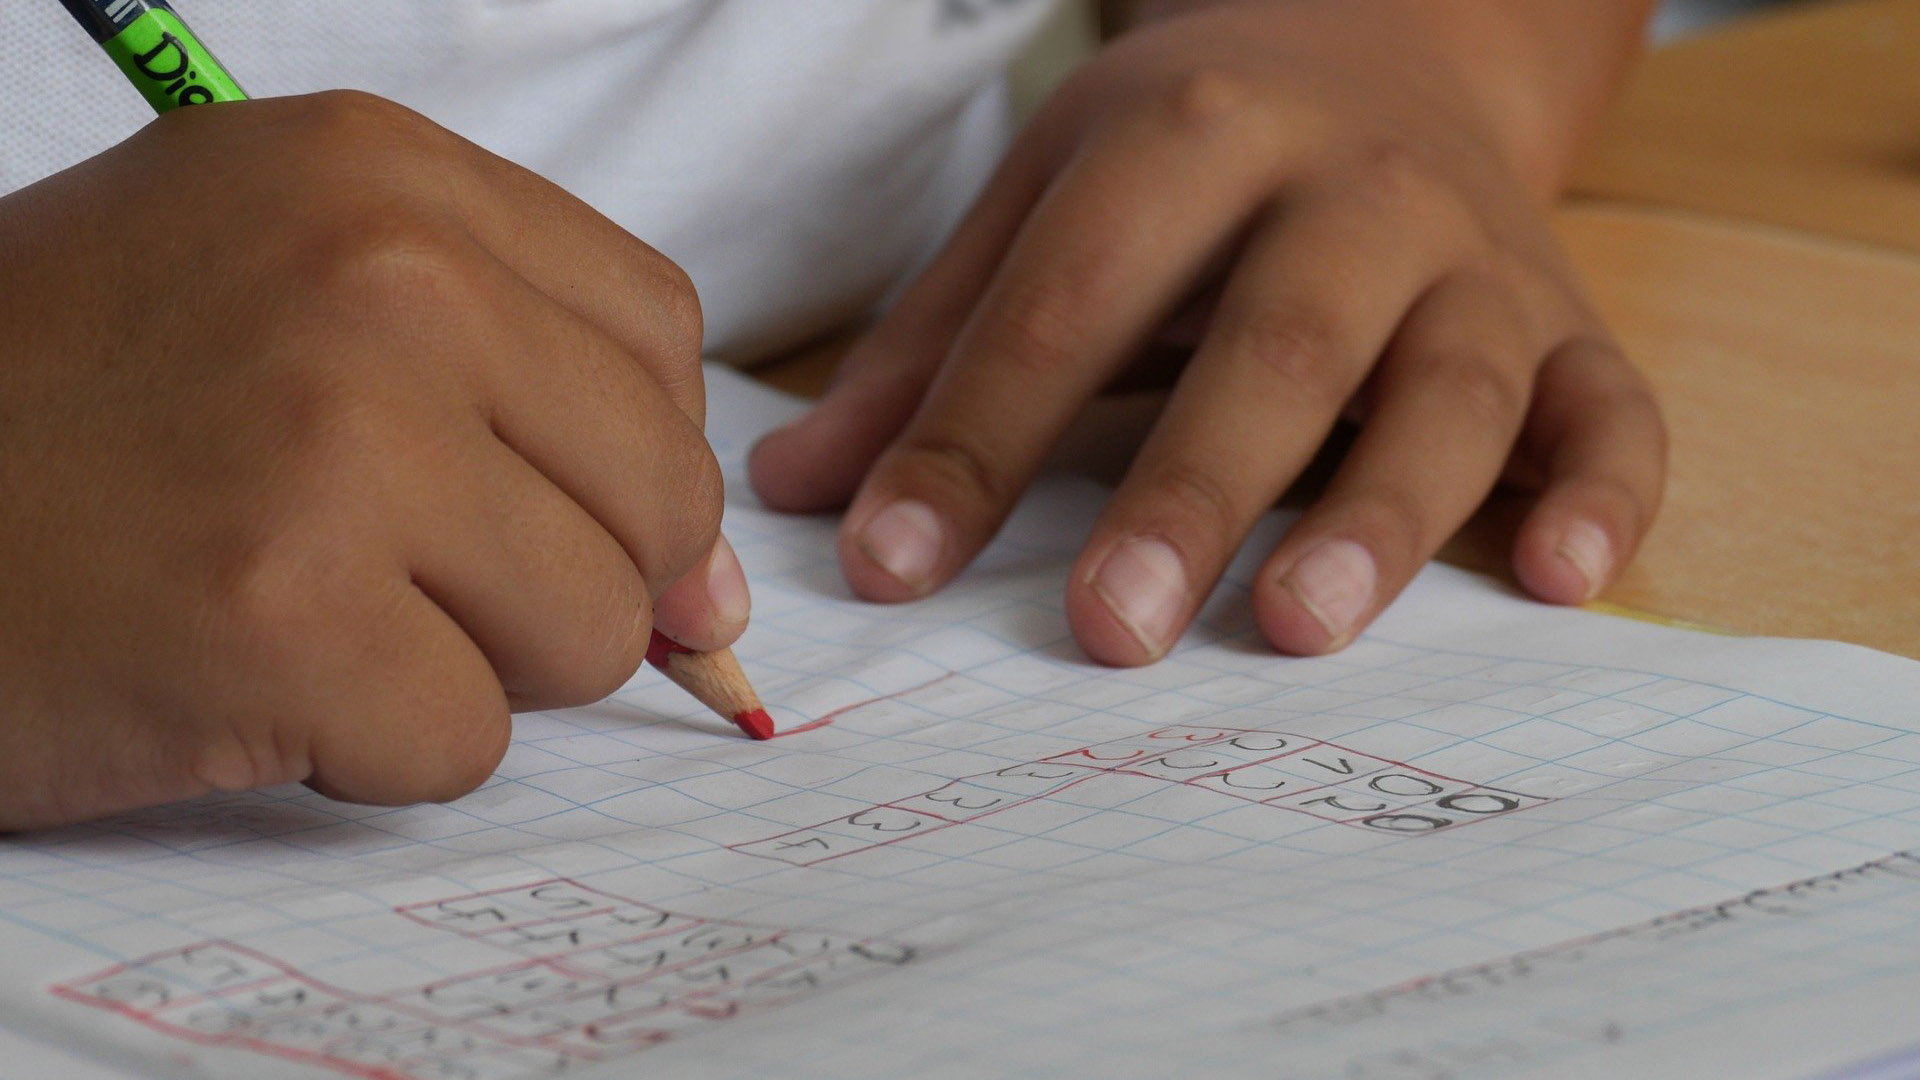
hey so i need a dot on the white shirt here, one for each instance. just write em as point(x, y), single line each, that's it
point(797, 157)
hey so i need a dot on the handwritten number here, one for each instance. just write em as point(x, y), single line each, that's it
point(1252, 742)
point(880, 826)
point(1406, 823)
point(562, 899)
point(959, 802)
point(1476, 802)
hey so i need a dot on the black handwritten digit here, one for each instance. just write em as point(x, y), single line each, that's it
point(449, 913)
point(557, 896)
point(880, 826)
point(802, 947)
point(653, 958)
point(1253, 741)
point(224, 967)
point(881, 953)
point(1343, 766)
point(1275, 784)
point(290, 998)
point(137, 991)
point(1406, 823)
point(648, 919)
point(718, 973)
point(544, 936)
point(1478, 802)
point(813, 841)
point(719, 938)
point(1404, 785)
point(958, 801)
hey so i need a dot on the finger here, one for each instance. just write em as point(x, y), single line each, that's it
point(1452, 394)
point(407, 708)
point(574, 403)
point(1597, 427)
point(707, 609)
point(1108, 253)
point(551, 599)
point(1314, 299)
point(816, 462)
point(587, 264)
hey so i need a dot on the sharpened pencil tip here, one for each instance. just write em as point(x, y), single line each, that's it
point(756, 724)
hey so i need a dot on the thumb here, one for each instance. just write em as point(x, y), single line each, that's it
point(707, 608)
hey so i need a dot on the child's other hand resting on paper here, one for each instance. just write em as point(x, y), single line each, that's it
point(321, 451)
point(1351, 195)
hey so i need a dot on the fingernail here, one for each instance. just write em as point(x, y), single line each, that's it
point(905, 540)
point(1144, 584)
point(1587, 549)
point(1335, 583)
point(727, 585)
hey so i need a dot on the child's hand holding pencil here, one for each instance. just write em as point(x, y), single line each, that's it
point(324, 460)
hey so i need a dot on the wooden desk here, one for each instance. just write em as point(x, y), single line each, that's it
point(1788, 362)
point(1808, 117)
point(1789, 369)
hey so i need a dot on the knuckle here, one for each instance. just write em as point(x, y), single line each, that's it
point(1396, 521)
point(397, 259)
point(707, 496)
point(607, 646)
point(1394, 173)
point(262, 595)
point(699, 503)
point(1296, 352)
point(957, 464)
point(1205, 100)
point(1495, 398)
point(348, 119)
point(1630, 397)
point(1200, 501)
point(694, 487)
point(682, 321)
point(329, 431)
point(1039, 333)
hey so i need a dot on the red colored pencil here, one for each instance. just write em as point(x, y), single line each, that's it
point(715, 679)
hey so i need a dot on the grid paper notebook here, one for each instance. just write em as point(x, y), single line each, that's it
point(1491, 839)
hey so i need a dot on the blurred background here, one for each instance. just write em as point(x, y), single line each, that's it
point(1072, 36)
point(1688, 16)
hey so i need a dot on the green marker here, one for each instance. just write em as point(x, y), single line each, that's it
point(159, 55)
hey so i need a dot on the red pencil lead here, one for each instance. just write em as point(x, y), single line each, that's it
point(756, 724)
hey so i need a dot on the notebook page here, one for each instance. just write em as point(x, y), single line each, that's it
point(1492, 838)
